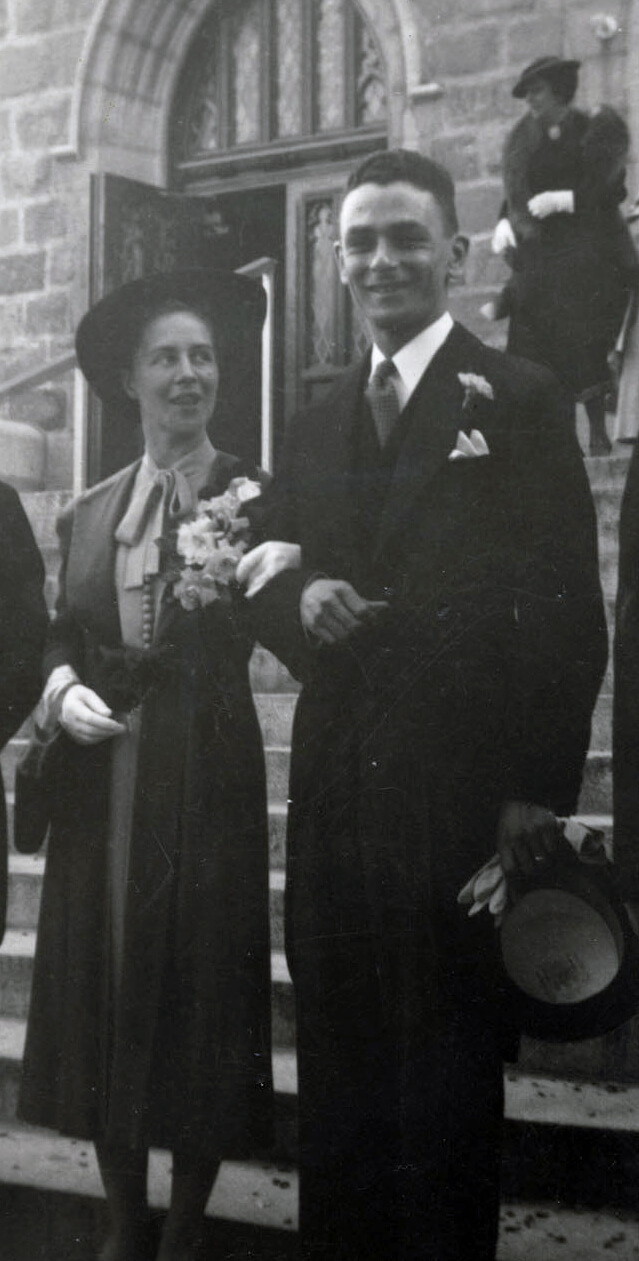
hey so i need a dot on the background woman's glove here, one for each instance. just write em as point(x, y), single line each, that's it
point(552, 203)
point(503, 237)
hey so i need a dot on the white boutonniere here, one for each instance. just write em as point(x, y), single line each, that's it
point(470, 441)
point(475, 387)
point(205, 550)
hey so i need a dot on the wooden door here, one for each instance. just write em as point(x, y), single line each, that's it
point(137, 230)
point(324, 330)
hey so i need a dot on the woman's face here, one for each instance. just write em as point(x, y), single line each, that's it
point(174, 378)
point(543, 103)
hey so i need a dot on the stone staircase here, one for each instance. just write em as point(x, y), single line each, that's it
point(572, 1131)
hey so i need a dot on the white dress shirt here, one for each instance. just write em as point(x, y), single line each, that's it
point(413, 359)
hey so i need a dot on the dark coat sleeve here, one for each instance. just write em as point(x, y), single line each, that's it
point(64, 640)
point(276, 610)
point(23, 616)
point(23, 622)
point(626, 689)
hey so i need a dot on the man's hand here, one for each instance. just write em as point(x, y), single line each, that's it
point(86, 718)
point(262, 563)
point(526, 835)
point(331, 609)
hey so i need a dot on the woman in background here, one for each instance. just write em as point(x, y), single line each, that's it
point(572, 257)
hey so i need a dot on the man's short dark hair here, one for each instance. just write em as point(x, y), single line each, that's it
point(406, 165)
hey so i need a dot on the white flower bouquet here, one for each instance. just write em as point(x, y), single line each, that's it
point(206, 549)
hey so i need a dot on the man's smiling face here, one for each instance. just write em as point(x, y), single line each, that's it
point(396, 254)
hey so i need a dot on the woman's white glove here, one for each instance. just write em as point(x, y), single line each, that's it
point(557, 202)
point(86, 718)
point(264, 562)
point(503, 237)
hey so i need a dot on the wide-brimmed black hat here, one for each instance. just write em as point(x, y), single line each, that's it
point(569, 954)
point(110, 331)
point(556, 70)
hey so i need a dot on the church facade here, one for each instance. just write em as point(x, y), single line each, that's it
point(141, 134)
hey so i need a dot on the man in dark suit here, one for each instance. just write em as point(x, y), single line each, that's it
point(23, 624)
point(447, 625)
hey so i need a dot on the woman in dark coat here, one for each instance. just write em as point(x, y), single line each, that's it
point(574, 261)
point(150, 1021)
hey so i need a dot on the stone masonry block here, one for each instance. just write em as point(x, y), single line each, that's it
point(469, 104)
point(459, 154)
point(62, 264)
point(9, 229)
point(478, 207)
point(22, 273)
point(40, 67)
point(487, 7)
point(5, 130)
point(484, 268)
point(529, 39)
point(46, 125)
point(465, 52)
point(45, 408)
point(25, 176)
point(33, 16)
point(4, 17)
point(45, 221)
point(50, 314)
point(491, 149)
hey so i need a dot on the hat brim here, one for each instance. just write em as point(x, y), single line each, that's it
point(569, 955)
point(549, 71)
point(235, 305)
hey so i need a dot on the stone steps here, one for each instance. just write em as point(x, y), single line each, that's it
point(260, 1195)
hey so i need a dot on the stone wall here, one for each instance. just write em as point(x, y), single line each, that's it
point(460, 59)
point(43, 211)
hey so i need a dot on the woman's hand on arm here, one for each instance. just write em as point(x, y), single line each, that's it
point(86, 718)
point(264, 562)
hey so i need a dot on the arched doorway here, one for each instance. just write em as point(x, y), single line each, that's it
point(274, 103)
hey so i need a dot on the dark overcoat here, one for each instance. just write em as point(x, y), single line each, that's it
point(181, 1055)
point(475, 686)
point(23, 627)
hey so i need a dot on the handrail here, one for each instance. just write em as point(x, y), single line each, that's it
point(38, 376)
point(264, 269)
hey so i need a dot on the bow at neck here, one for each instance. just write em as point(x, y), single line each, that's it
point(161, 498)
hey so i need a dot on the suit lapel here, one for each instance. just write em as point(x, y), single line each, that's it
point(91, 567)
point(436, 408)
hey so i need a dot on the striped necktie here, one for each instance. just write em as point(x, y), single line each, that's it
point(383, 400)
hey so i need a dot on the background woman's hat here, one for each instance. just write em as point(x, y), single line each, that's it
point(110, 330)
point(549, 68)
point(569, 953)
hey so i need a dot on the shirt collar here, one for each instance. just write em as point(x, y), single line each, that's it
point(195, 465)
point(413, 359)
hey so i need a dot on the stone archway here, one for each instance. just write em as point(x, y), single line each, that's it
point(132, 60)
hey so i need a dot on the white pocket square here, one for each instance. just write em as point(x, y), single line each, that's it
point(469, 447)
